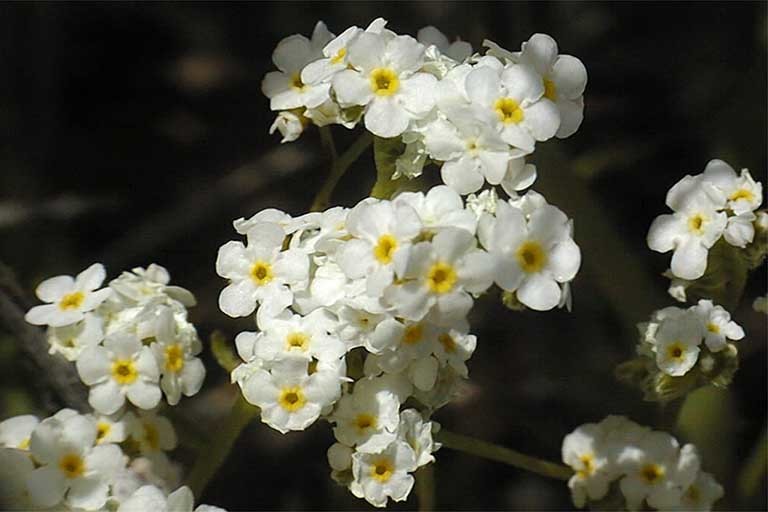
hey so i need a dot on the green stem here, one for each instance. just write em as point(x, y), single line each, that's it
point(501, 454)
point(754, 470)
point(425, 487)
point(339, 166)
point(214, 455)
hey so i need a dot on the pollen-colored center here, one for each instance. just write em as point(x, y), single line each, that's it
point(713, 328)
point(652, 473)
point(385, 249)
point(174, 358)
point(124, 371)
point(441, 277)
point(297, 341)
point(384, 82)
point(696, 223)
point(72, 465)
point(509, 111)
point(675, 351)
point(531, 256)
point(550, 91)
point(382, 469)
point(292, 398)
point(261, 272)
point(151, 436)
point(587, 466)
point(413, 334)
point(742, 193)
point(364, 421)
point(71, 301)
point(336, 59)
point(24, 444)
point(102, 431)
point(448, 343)
point(296, 82)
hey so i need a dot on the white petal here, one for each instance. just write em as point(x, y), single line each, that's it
point(181, 500)
point(539, 292)
point(665, 232)
point(522, 83)
point(292, 53)
point(93, 365)
point(51, 290)
point(88, 493)
point(542, 119)
point(569, 76)
point(232, 262)
point(483, 86)
point(366, 51)
point(462, 175)
point(238, 299)
point(539, 52)
point(46, 486)
point(689, 260)
point(106, 398)
point(352, 88)
point(404, 53)
point(91, 278)
point(417, 93)
point(386, 118)
point(564, 260)
point(571, 116)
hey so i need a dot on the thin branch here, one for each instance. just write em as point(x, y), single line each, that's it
point(425, 487)
point(501, 454)
point(338, 168)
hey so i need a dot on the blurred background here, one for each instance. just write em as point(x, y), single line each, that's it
point(136, 132)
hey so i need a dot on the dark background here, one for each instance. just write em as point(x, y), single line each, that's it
point(133, 133)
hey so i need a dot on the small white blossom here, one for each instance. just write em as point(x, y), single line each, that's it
point(383, 475)
point(16, 432)
point(717, 325)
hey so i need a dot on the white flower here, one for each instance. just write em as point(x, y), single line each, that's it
point(122, 367)
point(149, 497)
point(701, 494)
point(471, 150)
point(72, 339)
point(285, 88)
point(583, 451)
point(515, 95)
point(564, 78)
point(151, 432)
point(300, 336)
point(110, 429)
point(181, 372)
point(384, 78)
point(368, 417)
point(453, 348)
point(383, 232)
point(15, 432)
point(260, 273)
point(656, 470)
point(441, 207)
point(356, 326)
point(677, 344)
point(71, 465)
point(290, 398)
point(742, 192)
point(290, 124)
point(531, 257)
point(385, 474)
point(69, 299)
point(418, 434)
point(439, 277)
point(141, 286)
point(717, 325)
point(519, 176)
point(694, 227)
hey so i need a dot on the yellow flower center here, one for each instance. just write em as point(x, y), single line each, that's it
point(72, 465)
point(742, 193)
point(413, 334)
point(364, 421)
point(550, 91)
point(174, 358)
point(441, 277)
point(296, 82)
point(675, 351)
point(384, 82)
point(696, 223)
point(715, 329)
point(102, 431)
point(385, 249)
point(531, 256)
point(124, 371)
point(336, 59)
point(151, 436)
point(448, 343)
point(587, 466)
point(292, 398)
point(261, 272)
point(297, 340)
point(382, 469)
point(71, 301)
point(24, 444)
point(652, 473)
point(509, 110)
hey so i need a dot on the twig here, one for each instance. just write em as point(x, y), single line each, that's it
point(425, 487)
point(339, 167)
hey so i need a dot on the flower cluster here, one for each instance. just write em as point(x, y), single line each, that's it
point(618, 459)
point(360, 310)
point(90, 462)
point(130, 339)
point(707, 207)
point(476, 115)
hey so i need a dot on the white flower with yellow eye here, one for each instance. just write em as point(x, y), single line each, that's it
point(584, 452)
point(694, 227)
point(383, 233)
point(356, 326)
point(15, 432)
point(260, 273)
point(180, 371)
point(742, 193)
point(398, 342)
point(384, 78)
point(150, 432)
point(71, 340)
point(285, 88)
point(71, 469)
point(701, 494)
point(564, 78)
point(301, 336)
point(656, 471)
point(378, 476)
point(454, 347)
point(515, 98)
point(677, 343)
point(439, 276)
point(717, 325)
point(532, 257)
point(110, 429)
point(69, 298)
point(289, 397)
point(368, 417)
point(122, 367)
